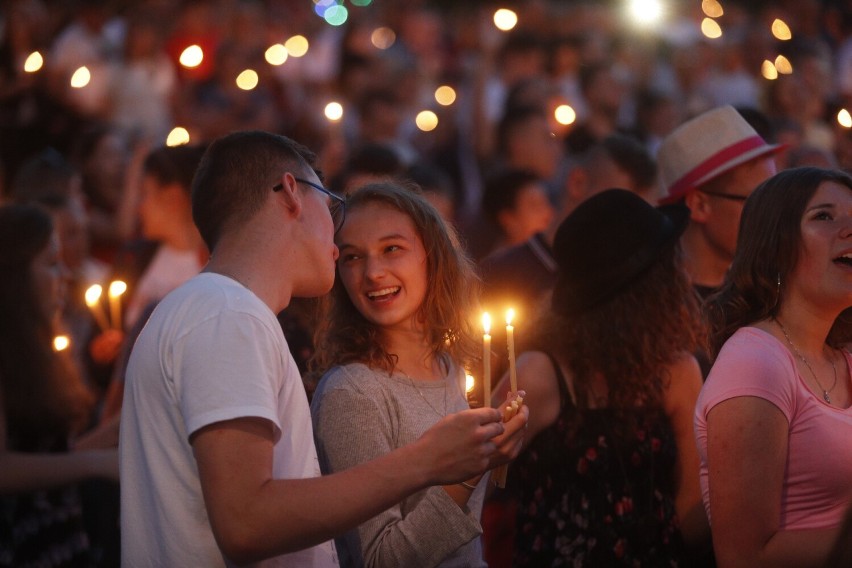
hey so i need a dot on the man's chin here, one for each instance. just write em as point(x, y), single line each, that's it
point(315, 290)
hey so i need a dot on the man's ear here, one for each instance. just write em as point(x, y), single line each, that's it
point(699, 206)
point(289, 195)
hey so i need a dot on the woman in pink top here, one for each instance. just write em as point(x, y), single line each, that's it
point(773, 421)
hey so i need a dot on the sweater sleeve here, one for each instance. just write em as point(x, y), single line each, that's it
point(353, 426)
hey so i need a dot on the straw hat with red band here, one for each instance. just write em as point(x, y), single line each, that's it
point(706, 147)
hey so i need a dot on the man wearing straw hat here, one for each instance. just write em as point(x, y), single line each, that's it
point(711, 164)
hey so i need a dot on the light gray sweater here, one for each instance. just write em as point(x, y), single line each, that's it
point(359, 414)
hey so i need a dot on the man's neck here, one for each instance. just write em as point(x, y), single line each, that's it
point(250, 266)
point(705, 266)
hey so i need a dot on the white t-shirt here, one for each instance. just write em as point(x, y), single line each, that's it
point(212, 351)
point(168, 269)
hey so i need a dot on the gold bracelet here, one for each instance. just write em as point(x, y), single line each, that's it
point(468, 485)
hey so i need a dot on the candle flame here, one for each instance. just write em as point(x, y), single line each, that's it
point(510, 315)
point(93, 294)
point(61, 343)
point(468, 382)
point(486, 322)
point(117, 288)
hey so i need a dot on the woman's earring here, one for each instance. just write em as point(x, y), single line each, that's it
point(778, 291)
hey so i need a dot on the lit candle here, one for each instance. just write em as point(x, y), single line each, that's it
point(116, 289)
point(61, 343)
point(93, 300)
point(510, 341)
point(486, 360)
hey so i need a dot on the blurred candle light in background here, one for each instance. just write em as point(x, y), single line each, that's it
point(844, 119)
point(781, 30)
point(783, 65)
point(192, 56)
point(505, 19)
point(247, 80)
point(276, 54)
point(646, 12)
point(297, 46)
point(768, 70)
point(177, 137)
point(34, 62)
point(711, 28)
point(564, 114)
point(426, 120)
point(382, 38)
point(81, 77)
point(334, 111)
point(93, 300)
point(61, 343)
point(116, 289)
point(712, 8)
point(445, 95)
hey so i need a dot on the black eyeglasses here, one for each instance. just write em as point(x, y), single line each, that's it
point(731, 196)
point(337, 207)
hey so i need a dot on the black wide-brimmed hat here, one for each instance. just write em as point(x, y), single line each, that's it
point(608, 242)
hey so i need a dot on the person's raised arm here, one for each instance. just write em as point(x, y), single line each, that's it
point(254, 516)
point(537, 378)
point(747, 439)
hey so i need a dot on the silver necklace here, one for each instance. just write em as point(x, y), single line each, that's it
point(426, 400)
point(825, 393)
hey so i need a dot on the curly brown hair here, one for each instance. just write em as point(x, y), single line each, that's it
point(344, 335)
point(768, 249)
point(631, 339)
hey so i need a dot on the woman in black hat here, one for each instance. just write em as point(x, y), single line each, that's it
point(774, 420)
point(610, 476)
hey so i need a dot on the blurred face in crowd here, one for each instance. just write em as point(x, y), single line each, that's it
point(535, 147)
point(721, 203)
point(48, 275)
point(531, 214)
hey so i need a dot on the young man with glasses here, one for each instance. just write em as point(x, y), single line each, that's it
point(711, 164)
point(217, 454)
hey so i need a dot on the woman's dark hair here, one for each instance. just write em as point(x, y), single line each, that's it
point(345, 336)
point(768, 250)
point(630, 339)
point(43, 398)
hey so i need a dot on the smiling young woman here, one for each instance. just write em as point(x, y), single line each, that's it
point(393, 345)
point(773, 422)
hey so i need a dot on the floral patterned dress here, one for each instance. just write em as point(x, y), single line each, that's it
point(590, 495)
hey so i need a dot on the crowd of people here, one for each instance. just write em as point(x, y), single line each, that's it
point(283, 381)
